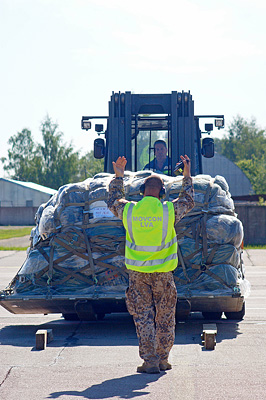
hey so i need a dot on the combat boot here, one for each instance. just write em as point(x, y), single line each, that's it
point(164, 365)
point(148, 368)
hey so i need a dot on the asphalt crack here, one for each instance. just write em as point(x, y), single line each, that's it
point(70, 340)
point(7, 375)
point(249, 257)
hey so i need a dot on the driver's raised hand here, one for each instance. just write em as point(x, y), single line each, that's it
point(186, 162)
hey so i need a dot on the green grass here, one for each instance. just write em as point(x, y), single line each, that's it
point(255, 247)
point(9, 233)
point(13, 248)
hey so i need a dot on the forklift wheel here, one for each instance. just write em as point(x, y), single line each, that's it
point(71, 317)
point(239, 315)
point(183, 308)
point(211, 315)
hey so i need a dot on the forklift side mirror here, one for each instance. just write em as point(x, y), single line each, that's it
point(99, 148)
point(207, 149)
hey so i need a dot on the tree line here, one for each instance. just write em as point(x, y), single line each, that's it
point(245, 145)
point(52, 163)
point(55, 163)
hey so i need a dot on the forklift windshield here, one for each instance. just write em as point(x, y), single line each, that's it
point(146, 130)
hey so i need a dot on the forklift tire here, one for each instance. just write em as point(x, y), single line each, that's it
point(239, 315)
point(100, 316)
point(183, 308)
point(211, 315)
point(71, 317)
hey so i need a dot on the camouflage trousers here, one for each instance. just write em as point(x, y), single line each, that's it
point(151, 300)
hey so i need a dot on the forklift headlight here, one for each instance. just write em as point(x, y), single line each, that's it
point(85, 124)
point(219, 123)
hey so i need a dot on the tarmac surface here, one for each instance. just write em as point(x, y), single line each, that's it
point(98, 360)
point(22, 241)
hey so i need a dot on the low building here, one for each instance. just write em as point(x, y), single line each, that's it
point(19, 201)
point(249, 211)
point(239, 184)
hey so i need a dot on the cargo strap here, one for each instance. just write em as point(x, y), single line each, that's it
point(197, 231)
point(55, 266)
point(51, 259)
point(97, 271)
point(88, 247)
point(200, 268)
point(183, 264)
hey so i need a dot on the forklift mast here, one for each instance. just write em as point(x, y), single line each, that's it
point(131, 114)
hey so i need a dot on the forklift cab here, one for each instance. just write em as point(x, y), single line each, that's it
point(136, 121)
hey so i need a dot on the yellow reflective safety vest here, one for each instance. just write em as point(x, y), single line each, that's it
point(151, 244)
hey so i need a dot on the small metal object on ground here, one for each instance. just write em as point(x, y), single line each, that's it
point(209, 336)
point(43, 336)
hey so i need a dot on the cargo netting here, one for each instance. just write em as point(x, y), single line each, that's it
point(77, 245)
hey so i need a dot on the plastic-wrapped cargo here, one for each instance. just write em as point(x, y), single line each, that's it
point(78, 244)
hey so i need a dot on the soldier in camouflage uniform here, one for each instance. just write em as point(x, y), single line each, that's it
point(151, 296)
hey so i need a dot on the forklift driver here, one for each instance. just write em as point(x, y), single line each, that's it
point(161, 163)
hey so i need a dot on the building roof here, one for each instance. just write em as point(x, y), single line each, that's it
point(239, 184)
point(31, 185)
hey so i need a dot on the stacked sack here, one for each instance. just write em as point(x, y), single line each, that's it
point(78, 244)
point(210, 239)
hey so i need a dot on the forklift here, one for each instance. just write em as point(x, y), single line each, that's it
point(135, 121)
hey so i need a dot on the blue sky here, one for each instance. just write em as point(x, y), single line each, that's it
point(65, 57)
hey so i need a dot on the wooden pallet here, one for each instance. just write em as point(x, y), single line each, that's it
point(42, 338)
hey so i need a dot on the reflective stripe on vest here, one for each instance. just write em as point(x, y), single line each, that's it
point(133, 246)
point(157, 221)
point(150, 263)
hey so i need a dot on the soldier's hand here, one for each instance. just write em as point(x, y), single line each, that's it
point(119, 166)
point(186, 162)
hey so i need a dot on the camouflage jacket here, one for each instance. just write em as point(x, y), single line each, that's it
point(182, 205)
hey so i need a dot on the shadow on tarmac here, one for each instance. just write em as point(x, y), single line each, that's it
point(114, 330)
point(126, 387)
point(190, 331)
